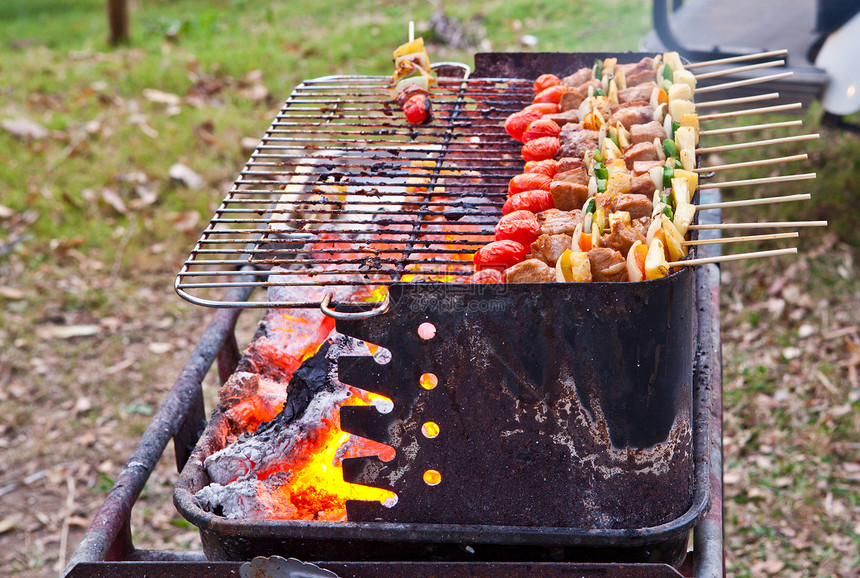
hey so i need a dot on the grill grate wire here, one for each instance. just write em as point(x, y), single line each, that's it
point(343, 192)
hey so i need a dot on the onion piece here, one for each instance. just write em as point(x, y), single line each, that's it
point(656, 266)
point(661, 154)
point(657, 176)
point(667, 126)
point(633, 272)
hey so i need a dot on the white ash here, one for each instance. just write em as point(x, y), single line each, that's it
point(246, 498)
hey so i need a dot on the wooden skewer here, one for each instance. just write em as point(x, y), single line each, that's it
point(734, 113)
point(737, 257)
point(411, 30)
point(748, 164)
point(750, 127)
point(753, 202)
point(721, 240)
point(772, 224)
point(745, 82)
point(741, 58)
point(761, 181)
point(737, 69)
point(741, 100)
point(757, 143)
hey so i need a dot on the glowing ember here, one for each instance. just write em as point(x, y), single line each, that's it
point(316, 488)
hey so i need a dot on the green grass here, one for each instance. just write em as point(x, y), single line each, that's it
point(58, 71)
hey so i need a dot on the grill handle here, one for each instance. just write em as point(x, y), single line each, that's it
point(345, 315)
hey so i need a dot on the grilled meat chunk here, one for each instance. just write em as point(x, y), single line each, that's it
point(643, 151)
point(642, 185)
point(568, 164)
point(644, 65)
point(548, 248)
point(647, 132)
point(575, 141)
point(637, 205)
point(578, 78)
point(555, 222)
point(622, 236)
point(607, 265)
point(641, 224)
point(638, 78)
point(531, 271)
point(632, 115)
point(563, 118)
point(568, 196)
point(640, 92)
point(575, 175)
point(573, 97)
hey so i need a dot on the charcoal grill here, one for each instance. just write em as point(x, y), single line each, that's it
point(295, 208)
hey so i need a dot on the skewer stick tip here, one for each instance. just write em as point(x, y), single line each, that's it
point(411, 30)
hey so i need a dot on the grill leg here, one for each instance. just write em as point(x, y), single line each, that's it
point(122, 545)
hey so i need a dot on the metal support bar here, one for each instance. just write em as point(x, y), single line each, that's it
point(228, 358)
point(109, 534)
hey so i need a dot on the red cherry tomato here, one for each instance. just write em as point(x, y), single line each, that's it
point(520, 226)
point(499, 255)
point(486, 276)
point(540, 128)
point(528, 182)
point(544, 107)
point(418, 109)
point(544, 81)
point(534, 201)
point(517, 123)
point(547, 167)
point(551, 94)
point(541, 148)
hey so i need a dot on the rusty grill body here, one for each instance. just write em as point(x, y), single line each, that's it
point(566, 410)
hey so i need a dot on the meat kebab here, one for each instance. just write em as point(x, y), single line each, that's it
point(606, 192)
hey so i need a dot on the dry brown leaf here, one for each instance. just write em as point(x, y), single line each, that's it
point(159, 348)
point(11, 293)
point(249, 144)
point(62, 246)
point(255, 93)
point(187, 222)
point(204, 132)
point(67, 331)
point(161, 97)
point(146, 197)
point(25, 128)
point(769, 566)
point(112, 198)
point(8, 524)
point(83, 404)
point(186, 176)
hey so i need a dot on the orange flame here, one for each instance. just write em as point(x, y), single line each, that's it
point(316, 488)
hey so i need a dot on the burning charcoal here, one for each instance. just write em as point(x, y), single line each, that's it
point(248, 400)
point(262, 474)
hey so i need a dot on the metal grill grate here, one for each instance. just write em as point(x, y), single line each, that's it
point(342, 191)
